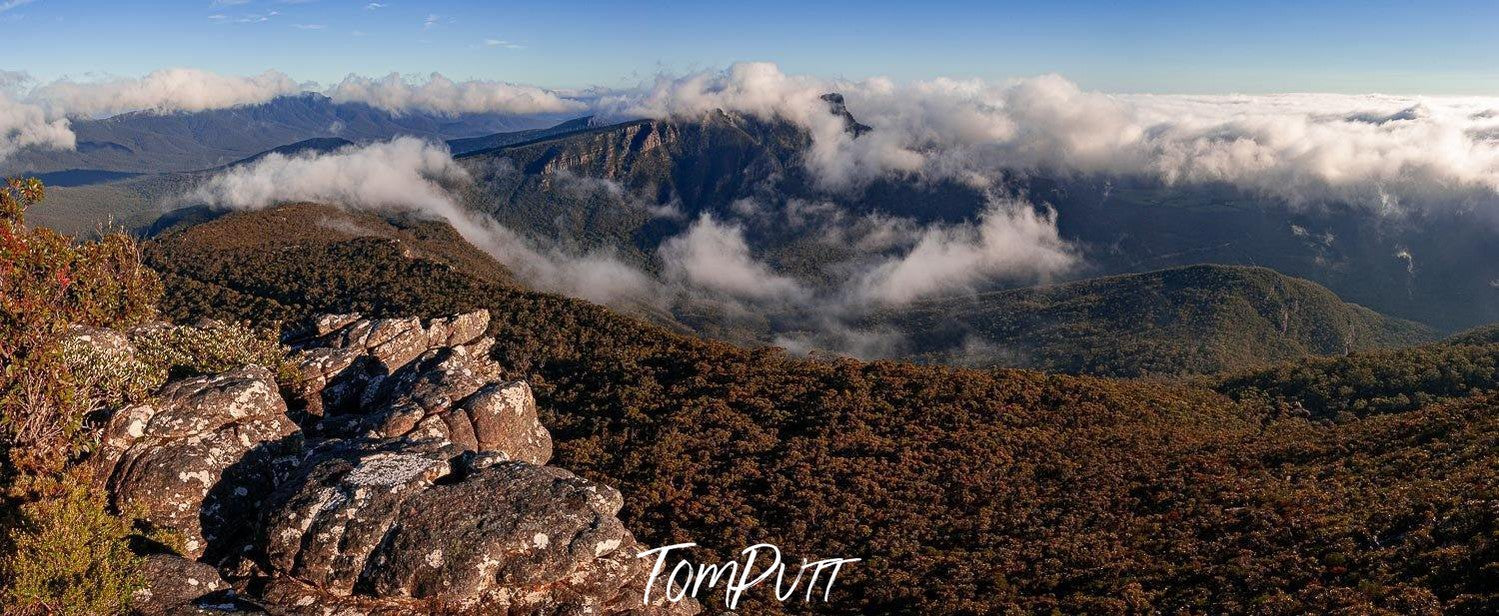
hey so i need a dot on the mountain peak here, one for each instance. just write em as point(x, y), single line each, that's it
point(838, 107)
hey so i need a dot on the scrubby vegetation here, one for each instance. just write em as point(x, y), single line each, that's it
point(62, 551)
point(1369, 383)
point(966, 491)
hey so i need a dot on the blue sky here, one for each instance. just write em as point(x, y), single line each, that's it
point(1167, 47)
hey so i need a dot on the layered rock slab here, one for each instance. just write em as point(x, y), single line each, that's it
point(197, 460)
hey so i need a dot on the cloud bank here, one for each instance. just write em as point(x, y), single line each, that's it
point(162, 91)
point(1387, 153)
point(23, 125)
point(1010, 242)
point(714, 256)
point(414, 176)
point(440, 95)
point(1383, 152)
point(188, 90)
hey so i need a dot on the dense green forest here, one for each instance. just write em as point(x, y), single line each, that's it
point(1363, 484)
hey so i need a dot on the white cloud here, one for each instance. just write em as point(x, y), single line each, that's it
point(1383, 152)
point(164, 91)
point(309, 26)
point(410, 175)
point(374, 5)
point(1010, 242)
point(403, 174)
point(23, 125)
point(489, 42)
point(438, 94)
point(714, 256)
point(186, 89)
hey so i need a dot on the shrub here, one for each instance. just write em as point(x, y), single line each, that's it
point(62, 552)
point(47, 284)
point(68, 555)
point(212, 346)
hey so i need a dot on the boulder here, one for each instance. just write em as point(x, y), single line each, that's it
point(424, 527)
point(176, 586)
point(196, 461)
point(105, 341)
point(341, 355)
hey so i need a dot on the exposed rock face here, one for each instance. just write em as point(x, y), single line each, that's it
point(198, 460)
point(420, 529)
point(389, 378)
point(176, 586)
point(414, 484)
point(838, 107)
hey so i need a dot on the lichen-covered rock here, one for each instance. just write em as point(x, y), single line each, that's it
point(176, 586)
point(457, 330)
point(102, 340)
point(341, 355)
point(455, 395)
point(451, 391)
point(416, 488)
point(196, 461)
point(403, 526)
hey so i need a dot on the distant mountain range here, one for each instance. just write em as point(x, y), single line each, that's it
point(150, 142)
point(626, 188)
point(1439, 267)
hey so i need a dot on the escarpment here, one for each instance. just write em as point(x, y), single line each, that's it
point(388, 470)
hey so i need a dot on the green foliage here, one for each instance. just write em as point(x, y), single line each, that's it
point(62, 552)
point(966, 491)
point(115, 377)
point(67, 555)
point(207, 348)
point(47, 284)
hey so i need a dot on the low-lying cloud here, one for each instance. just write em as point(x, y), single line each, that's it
point(714, 256)
point(188, 90)
point(23, 125)
point(1383, 152)
point(414, 176)
point(440, 95)
point(1011, 242)
point(162, 91)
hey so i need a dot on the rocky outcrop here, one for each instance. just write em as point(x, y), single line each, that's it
point(197, 460)
point(427, 530)
point(839, 108)
point(393, 378)
point(412, 481)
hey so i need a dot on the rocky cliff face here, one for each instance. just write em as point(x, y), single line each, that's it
point(394, 473)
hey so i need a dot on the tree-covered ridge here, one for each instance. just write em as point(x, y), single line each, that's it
point(1189, 320)
point(966, 491)
point(1373, 382)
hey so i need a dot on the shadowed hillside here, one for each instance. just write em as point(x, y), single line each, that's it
point(1199, 319)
